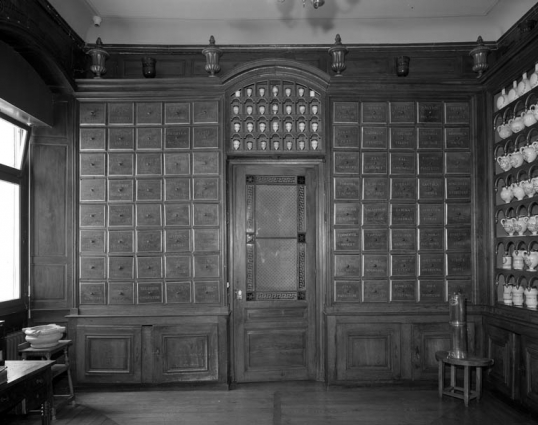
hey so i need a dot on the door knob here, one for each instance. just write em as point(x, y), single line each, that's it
point(238, 295)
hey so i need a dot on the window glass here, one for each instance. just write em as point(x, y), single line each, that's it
point(10, 242)
point(13, 139)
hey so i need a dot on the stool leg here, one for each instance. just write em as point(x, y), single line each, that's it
point(441, 378)
point(466, 385)
point(452, 377)
point(478, 383)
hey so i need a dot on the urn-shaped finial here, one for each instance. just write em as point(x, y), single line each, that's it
point(480, 57)
point(212, 54)
point(99, 56)
point(338, 53)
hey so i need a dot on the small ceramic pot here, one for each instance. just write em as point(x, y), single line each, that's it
point(507, 294)
point(509, 226)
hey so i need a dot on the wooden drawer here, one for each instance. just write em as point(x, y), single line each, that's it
point(92, 268)
point(149, 190)
point(92, 293)
point(149, 241)
point(149, 113)
point(92, 139)
point(120, 190)
point(206, 266)
point(177, 164)
point(121, 113)
point(178, 266)
point(120, 241)
point(121, 293)
point(149, 138)
point(206, 240)
point(206, 214)
point(92, 164)
point(149, 293)
point(149, 164)
point(177, 113)
point(92, 241)
point(205, 163)
point(177, 214)
point(92, 113)
point(177, 138)
point(177, 189)
point(205, 112)
point(149, 215)
point(206, 189)
point(121, 139)
point(120, 164)
point(92, 190)
point(121, 268)
point(120, 215)
point(178, 240)
point(92, 215)
point(149, 267)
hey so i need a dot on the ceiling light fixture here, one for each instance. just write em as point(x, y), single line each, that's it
point(316, 4)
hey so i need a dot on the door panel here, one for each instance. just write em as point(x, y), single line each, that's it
point(274, 271)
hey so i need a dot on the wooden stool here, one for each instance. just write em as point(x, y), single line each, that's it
point(53, 353)
point(465, 392)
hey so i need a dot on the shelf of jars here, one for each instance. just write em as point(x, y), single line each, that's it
point(516, 193)
point(275, 117)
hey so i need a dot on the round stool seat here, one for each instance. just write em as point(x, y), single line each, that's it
point(469, 361)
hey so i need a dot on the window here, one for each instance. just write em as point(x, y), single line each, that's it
point(13, 143)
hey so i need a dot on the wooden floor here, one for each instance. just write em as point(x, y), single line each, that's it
point(275, 404)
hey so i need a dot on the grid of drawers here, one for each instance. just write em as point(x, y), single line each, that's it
point(402, 201)
point(150, 193)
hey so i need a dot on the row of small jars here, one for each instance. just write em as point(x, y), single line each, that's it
point(518, 89)
point(275, 91)
point(517, 226)
point(519, 259)
point(514, 125)
point(275, 145)
point(518, 157)
point(517, 295)
point(275, 109)
point(275, 126)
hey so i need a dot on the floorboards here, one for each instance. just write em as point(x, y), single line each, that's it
point(281, 404)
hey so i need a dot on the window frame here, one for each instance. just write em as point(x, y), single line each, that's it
point(20, 177)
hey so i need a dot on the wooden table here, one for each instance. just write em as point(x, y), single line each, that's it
point(30, 381)
point(52, 353)
point(465, 392)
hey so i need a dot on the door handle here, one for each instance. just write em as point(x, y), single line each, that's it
point(238, 294)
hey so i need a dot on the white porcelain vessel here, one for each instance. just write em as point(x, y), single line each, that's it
point(517, 295)
point(44, 336)
point(531, 297)
point(506, 194)
point(507, 294)
point(531, 260)
point(524, 85)
point(502, 100)
point(509, 227)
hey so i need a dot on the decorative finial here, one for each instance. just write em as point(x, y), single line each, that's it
point(338, 53)
point(212, 54)
point(480, 57)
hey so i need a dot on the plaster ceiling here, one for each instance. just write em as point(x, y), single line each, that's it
point(184, 22)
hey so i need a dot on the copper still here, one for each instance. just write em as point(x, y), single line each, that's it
point(458, 327)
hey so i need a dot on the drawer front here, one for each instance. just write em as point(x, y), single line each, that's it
point(92, 164)
point(149, 164)
point(177, 214)
point(149, 215)
point(149, 190)
point(177, 189)
point(92, 241)
point(149, 113)
point(177, 164)
point(120, 190)
point(120, 241)
point(121, 139)
point(92, 113)
point(120, 113)
point(92, 216)
point(120, 164)
point(149, 267)
point(149, 138)
point(92, 293)
point(92, 139)
point(120, 215)
point(92, 190)
point(177, 113)
point(149, 241)
point(92, 268)
point(121, 267)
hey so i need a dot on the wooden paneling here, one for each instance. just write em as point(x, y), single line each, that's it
point(501, 347)
point(368, 351)
point(109, 354)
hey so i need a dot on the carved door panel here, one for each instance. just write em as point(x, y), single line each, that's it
point(274, 272)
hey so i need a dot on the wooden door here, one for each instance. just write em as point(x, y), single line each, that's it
point(273, 270)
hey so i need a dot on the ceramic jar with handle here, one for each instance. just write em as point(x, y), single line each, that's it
point(516, 159)
point(504, 130)
point(502, 100)
point(517, 124)
point(506, 194)
point(509, 227)
point(512, 94)
point(504, 162)
point(528, 188)
point(528, 118)
point(507, 294)
point(528, 152)
point(531, 297)
point(531, 260)
point(518, 191)
point(518, 259)
point(524, 85)
point(533, 79)
point(517, 295)
point(532, 225)
point(521, 225)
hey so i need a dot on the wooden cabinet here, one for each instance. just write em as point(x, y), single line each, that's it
point(152, 350)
